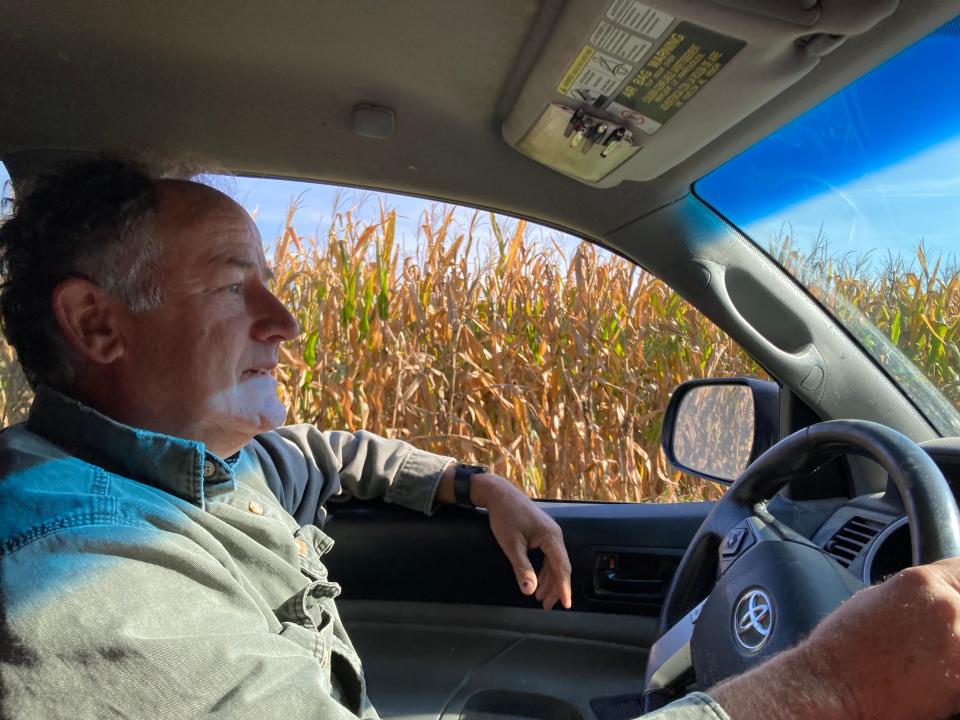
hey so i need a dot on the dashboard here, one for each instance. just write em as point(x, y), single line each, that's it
point(870, 535)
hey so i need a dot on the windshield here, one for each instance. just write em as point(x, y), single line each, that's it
point(859, 199)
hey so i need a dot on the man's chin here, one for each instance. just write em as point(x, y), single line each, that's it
point(251, 403)
point(270, 418)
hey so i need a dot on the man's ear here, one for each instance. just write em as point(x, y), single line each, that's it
point(89, 318)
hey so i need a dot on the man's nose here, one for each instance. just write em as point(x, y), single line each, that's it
point(276, 323)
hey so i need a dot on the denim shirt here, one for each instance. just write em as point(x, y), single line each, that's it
point(141, 576)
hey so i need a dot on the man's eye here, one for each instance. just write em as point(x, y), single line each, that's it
point(234, 288)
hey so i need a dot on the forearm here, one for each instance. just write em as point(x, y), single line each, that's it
point(790, 687)
point(445, 493)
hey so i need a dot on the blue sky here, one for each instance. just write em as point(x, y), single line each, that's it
point(268, 199)
point(876, 167)
point(891, 209)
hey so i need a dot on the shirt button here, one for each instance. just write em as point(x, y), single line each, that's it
point(301, 546)
point(255, 507)
point(208, 469)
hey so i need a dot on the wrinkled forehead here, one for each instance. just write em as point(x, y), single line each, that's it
point(196, 223)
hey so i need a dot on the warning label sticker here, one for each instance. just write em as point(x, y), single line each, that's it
point(688, 59)
point(619, 42)
point(593, 75)
point(639, 17)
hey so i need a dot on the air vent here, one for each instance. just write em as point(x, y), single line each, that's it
point(849, 540)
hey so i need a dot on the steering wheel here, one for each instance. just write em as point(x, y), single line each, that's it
point(748, 587)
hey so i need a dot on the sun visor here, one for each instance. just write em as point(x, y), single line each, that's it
point(626, 90)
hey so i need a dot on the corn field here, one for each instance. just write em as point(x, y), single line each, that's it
point(496, 344)
point(495, 347)
point(914, 304)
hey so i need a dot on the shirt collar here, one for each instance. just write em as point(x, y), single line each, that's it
point(178, 466)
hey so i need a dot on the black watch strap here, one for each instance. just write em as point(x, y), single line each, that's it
point(461, 482)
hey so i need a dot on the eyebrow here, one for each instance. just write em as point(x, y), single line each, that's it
point(244, 263)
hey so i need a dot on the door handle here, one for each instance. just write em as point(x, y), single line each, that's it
point(633, 575)
point(614, 582)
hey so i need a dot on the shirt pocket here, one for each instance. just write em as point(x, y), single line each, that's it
point(306, 621)
point(313, 643)
point(312, 543)
point(306, 607)
point(309, 619)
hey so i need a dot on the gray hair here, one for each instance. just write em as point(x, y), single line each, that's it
point(92, 219)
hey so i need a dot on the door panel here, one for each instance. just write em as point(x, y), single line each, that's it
point(444, 633)
point(384, 552)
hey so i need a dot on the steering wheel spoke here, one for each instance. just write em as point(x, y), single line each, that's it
point(669, 659)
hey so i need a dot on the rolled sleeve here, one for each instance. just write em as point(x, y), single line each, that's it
point(695, 706)
point(415, 486)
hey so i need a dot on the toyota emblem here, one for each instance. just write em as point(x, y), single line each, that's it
point(753, 620)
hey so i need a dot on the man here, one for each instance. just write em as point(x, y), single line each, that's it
point(157, 559)
point(160, 548)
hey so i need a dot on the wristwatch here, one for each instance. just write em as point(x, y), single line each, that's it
point(461, 482)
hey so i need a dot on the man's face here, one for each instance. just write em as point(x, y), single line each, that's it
point(201, 365)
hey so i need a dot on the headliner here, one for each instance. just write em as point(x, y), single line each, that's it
point(268, 90)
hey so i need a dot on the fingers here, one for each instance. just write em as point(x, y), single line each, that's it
point(550, 589)
point(949, 570)
point(522, 569)
point(544, 583)
point(566, 593)
point(550, 599)
point(558, 562)
point(518, 526)
point(554, 580)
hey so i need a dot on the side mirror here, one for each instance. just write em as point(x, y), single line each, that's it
point(715, 428)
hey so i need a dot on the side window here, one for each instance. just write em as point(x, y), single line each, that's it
point(484, 337)
point(475, 335)
point(15, 394)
